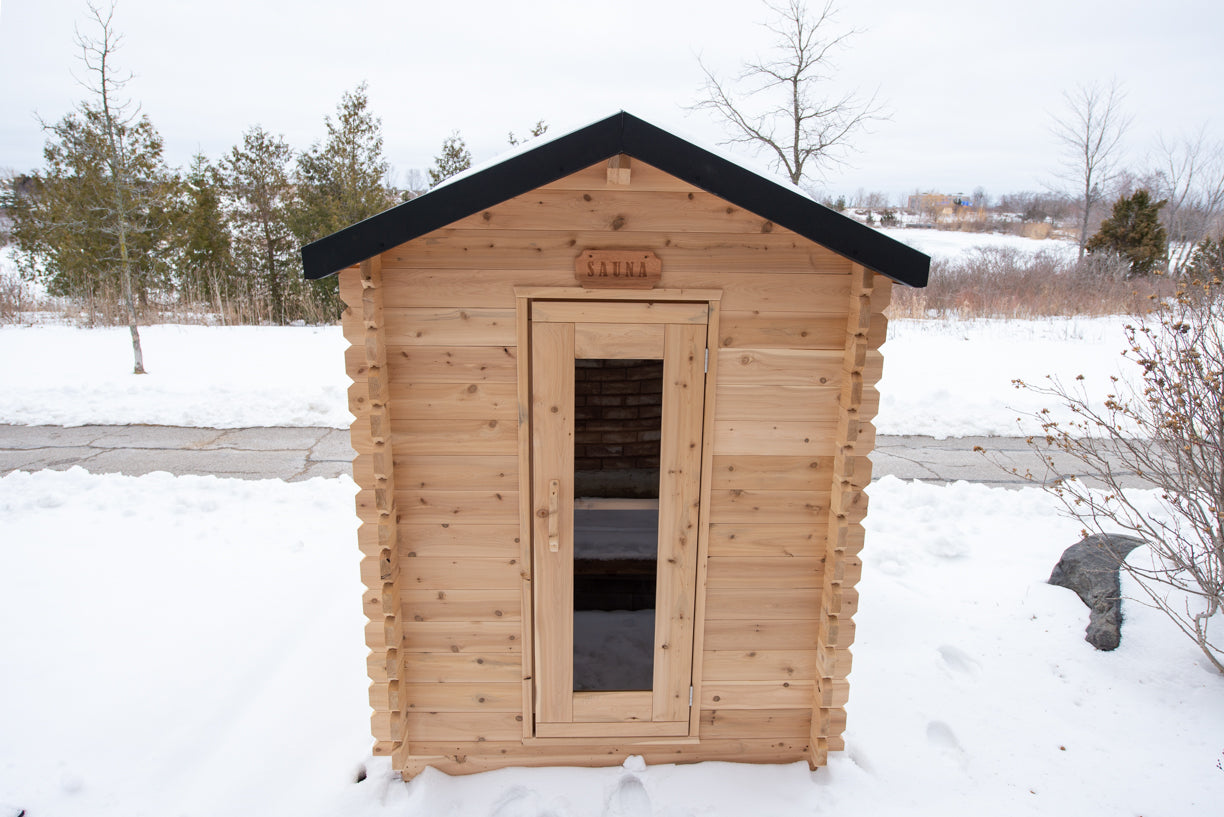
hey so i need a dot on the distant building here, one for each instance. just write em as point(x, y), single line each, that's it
point(939, 204)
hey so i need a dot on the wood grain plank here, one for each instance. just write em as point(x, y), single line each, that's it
point(458, 507)
point(552, 416)
point(460, 696)
point(754, 604)
point(679, 518)
point(759, 665)
point(430, 573)
point(777, 573)
point(772, 634)
point(450, 327)
point(764, 540)
point(465, 726)
point(469, 637)
point(453, 364)
point(779, 507)
point(448, 667)
point(446, 437)
point(725, 695)
point(459, 541)
point(441, 401)
point(461, 605)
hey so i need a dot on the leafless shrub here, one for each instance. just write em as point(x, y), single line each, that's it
point(1003, 282)
point(14, 298)
point(1168, 429)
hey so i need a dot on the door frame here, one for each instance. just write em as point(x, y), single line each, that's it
point(622, 709)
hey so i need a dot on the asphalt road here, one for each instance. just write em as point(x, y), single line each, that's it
point(303, 453)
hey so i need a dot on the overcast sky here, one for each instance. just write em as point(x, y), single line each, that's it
point(970, 84)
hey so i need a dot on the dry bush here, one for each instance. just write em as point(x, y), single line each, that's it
point(1003, 282)
point(15, 298)
point(1169, 430)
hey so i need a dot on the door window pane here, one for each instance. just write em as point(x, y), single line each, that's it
point(617, 430)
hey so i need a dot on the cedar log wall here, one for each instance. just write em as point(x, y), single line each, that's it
point(434, 369)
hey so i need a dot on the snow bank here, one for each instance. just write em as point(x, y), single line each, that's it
point(207, 377)
point(193, 646)
point(941, 378)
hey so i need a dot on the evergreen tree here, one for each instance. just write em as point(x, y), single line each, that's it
point(454, 158)
point(203, 253)
point(258, 199)
point(342, 180)
point(1134, 232)
point(537, 130)
point(1206, 265)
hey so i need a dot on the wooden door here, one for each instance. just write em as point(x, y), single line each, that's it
point(563, 333)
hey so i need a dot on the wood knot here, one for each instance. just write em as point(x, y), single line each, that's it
point(618, 222)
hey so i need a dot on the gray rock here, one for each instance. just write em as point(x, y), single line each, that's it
point(1090, 568)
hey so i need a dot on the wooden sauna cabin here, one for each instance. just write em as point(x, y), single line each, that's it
point(613, 401)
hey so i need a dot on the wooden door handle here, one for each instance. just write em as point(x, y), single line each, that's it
point(554, 511)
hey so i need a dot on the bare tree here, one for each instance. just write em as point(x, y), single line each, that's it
point(1168, 429)
point(1090, 132)
point(1191, 178)
point(115, 121)
point(784, 105)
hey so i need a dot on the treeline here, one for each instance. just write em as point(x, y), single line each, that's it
point(220, 236)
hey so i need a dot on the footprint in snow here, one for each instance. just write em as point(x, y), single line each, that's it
point(629, 799)
point(958, 662)
point(942, 738)
point(519, 801)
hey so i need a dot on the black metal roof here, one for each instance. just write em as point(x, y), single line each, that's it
point(619, 133)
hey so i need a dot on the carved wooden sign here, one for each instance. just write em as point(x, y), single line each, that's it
point(618, 269)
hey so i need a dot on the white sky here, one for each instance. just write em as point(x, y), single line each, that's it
point(971, 84)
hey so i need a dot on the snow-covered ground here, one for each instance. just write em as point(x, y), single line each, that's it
point(193, 646)
point(951, 244)
point(941, 378)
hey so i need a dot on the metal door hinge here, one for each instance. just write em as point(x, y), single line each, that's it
point(690, 696)
point(707, 360)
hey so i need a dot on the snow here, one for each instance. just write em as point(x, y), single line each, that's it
point(206, 377)
point(941, 378)
point(949, 378)
point(194, 646)
point(953, 244)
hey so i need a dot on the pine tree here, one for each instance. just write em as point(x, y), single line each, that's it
point(537, 130)
point(454, 158)
point(1206, 265)
point(258, 199)
point(342, 180)
point(1134, 232)
point(203, 252)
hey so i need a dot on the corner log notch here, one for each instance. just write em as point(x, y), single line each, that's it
point(848, 507)
point(369, 401)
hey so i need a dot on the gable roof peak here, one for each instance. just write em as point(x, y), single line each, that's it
point(545, 160)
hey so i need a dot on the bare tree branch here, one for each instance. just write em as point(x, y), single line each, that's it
point(1090, 132)
point(1191, 178)
point(782, 106)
